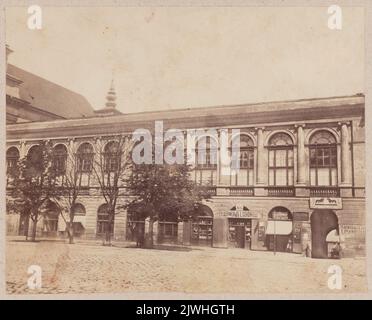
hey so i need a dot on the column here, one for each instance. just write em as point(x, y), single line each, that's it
point(261, 163)
point(71, 144)
point(345, 155)
point(301, 165)
point(22, 149)
point(224, 170)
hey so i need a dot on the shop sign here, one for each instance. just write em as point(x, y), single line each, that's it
point(300, 216)
point(353, 231)
point(277, 215)
point(325, 203)
point(240, 211)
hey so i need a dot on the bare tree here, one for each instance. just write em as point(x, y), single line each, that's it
point(111, 165)
point(68, 166)
point(33, 183)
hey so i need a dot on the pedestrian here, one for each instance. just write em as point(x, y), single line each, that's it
point(336, 251)
point(289, 246)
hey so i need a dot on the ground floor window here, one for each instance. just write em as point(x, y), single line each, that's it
point(103, 223)
point(168, 231)
point(239, 233)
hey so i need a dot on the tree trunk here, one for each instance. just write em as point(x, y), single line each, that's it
point(150, 238)
point(34, 225)
point(27, 225)
point(70, 233)
point(108, 230)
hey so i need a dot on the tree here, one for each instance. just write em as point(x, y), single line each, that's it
point(33, 183)
point(68, 166)
point(163, 189)
point(112, 164)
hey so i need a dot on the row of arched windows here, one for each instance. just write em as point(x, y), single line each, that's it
point(322, 161)
point(84, 156)
point(322, 164)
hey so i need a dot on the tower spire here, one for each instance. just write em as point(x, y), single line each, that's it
point(111, 96)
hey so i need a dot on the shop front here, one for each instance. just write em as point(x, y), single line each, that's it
point(239, 233)
point(240, 227)
point(279, 230)
point(233, 228)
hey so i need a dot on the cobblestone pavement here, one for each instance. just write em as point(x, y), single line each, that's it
point(91, 268)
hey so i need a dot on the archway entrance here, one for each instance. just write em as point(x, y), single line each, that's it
point(202, 226)
point(50, 212)
point(279, 230)
point(322, 223)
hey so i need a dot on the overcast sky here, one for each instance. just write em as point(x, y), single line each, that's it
point(192, 57)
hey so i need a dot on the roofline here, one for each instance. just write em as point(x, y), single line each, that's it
point(358, 97)
point(222, 106)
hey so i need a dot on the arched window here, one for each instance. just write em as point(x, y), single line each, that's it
point(280, 214)
point(280, 160)
point(111, 156)
point(206, 155)
point(323, 159)
point(244, 176)
point(85, 157)
point(34, 156)
point(12, 157)
point(78, 209)
point(59, 158)
point(103, 221)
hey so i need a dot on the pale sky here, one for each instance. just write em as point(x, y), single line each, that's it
point(168, 58)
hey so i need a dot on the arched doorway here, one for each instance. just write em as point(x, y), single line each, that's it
point(202, 226)
point(50, 212)
point(322, 223)
point(279, 230)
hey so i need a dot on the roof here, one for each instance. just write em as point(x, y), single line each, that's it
point(50, 97)
point(222, 116)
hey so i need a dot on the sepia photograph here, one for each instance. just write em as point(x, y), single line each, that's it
point(185, 150)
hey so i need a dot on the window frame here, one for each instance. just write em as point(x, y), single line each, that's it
point(274, 168)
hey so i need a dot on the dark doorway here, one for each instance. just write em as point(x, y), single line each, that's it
point(240, 236)
point(322, 222)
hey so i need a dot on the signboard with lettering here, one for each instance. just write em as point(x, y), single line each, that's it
point(278, 215)
point(353, 231)
point(300, 216)
point(240, 211)
point(325, 203)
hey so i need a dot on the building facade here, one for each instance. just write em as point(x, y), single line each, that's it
point(300, 184)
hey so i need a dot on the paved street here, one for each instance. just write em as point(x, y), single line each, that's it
point(91, 268)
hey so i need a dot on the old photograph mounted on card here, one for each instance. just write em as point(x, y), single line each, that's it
point(192, 150)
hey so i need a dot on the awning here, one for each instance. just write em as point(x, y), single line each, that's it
point(279, 227)
point(333, 236)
